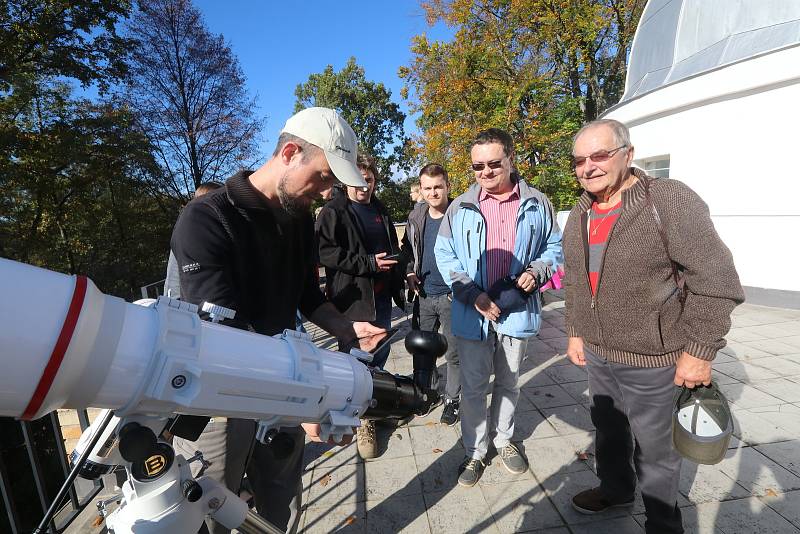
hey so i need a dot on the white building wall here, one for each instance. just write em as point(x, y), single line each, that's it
point(733, 136)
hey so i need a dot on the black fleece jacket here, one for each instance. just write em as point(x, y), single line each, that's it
point(237, 251)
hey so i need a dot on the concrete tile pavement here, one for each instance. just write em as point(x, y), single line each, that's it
point(411, 486)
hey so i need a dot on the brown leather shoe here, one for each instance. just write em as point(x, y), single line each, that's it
point(592, 501)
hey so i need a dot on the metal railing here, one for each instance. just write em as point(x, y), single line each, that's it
point(33, 465)
point(156, 287)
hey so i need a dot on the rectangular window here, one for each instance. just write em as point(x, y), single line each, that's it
point(657, 166)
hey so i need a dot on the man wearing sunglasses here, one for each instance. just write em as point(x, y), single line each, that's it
point(497, 244)
point(638, 326)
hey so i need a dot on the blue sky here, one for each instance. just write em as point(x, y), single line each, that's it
point(280, 43)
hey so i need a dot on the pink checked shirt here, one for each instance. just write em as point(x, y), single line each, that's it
point(501, 231)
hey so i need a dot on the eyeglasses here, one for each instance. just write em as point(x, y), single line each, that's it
point(598, 157)
point(496, 164)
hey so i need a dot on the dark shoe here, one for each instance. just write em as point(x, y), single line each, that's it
point(450, 412)
point(512, 459)
point(471, 471)
point(592, 502)
point(435, 404)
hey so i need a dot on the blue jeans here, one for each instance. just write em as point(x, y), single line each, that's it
point(383, 319)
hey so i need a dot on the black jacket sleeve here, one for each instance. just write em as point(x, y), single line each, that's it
point(340, 256)
point(201, 246)
point(407, 251)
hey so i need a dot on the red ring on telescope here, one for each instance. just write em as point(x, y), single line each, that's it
point(59, 350)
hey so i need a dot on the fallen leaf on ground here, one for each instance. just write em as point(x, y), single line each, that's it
point(430, 423)
point(437, 450)
point(350, 520)
point(325, 480)
point(771, 493)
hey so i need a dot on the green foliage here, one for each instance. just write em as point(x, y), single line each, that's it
point(536, 68)
point(75, 200)
point(76, 178)
point(367, 106)
point(395, 195)
point(43, 41)
point(70, 38)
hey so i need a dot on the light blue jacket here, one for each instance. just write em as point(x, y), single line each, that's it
point(460, 255)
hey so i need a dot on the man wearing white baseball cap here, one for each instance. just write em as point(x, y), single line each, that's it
point(248, 246)
point(325, 129)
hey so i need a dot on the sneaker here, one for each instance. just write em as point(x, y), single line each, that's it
point(435, 404)
point(366, 440)
point(471, 471)
point(450, 412)
point(592, 501)
point(512, 459)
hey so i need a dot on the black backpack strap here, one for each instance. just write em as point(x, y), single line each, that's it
point(679, 282)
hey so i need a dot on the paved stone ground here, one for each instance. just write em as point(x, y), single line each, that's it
point(411, 486)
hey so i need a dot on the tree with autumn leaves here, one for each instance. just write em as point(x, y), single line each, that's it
point(537, 68)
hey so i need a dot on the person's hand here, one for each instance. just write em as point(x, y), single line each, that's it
point(313, 430)
point(364, 335)
point(384, 265)
point(413, 282)
point(692, 372)
point(368, 335)
point(575, 351)
point(526, 282)
point(486, 307)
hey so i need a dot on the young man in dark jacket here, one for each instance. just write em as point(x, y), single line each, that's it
point(355, 235)
point(425, 280)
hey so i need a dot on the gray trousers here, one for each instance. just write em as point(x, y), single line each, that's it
point(434, 316)
point(502, 355)
point(632, 412)
point(276, 484)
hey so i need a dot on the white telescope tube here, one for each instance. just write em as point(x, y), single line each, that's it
point(65, 344)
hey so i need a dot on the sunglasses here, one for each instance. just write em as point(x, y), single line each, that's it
point(598, 157)
point(496, 164)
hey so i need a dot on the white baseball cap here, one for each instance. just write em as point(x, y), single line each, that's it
point(326, 129)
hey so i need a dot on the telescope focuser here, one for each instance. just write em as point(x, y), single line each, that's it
point(397, 397)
